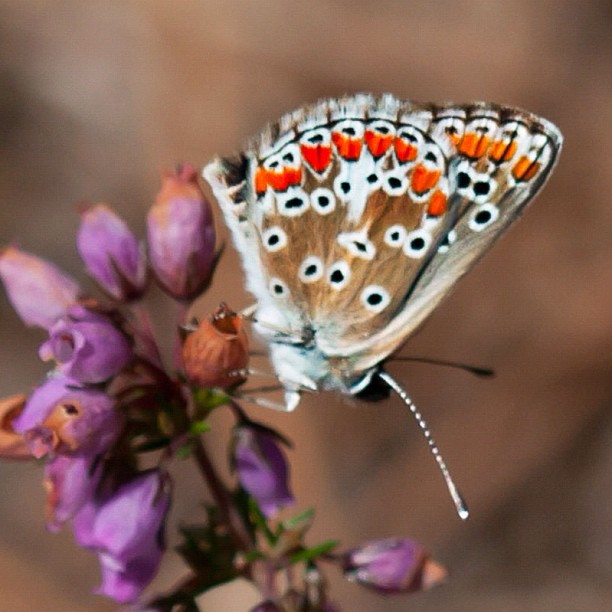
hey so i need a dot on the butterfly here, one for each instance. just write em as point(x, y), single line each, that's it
point(354, 217)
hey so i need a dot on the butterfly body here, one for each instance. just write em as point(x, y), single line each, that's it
point(354, 217)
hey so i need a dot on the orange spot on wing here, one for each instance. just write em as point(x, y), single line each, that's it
point(404, 150)
point(293, 176)
point(473, 145)
point(525, 169)
point(501, 151)
point(277, 180)
point(348, 148)
point(261, 180)
point(422, 179)
point(318, 157)
point(377, 143)
point(437, 204)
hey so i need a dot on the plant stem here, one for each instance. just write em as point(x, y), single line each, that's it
point(228, 510)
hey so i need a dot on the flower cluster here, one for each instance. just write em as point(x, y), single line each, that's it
point(109, 399)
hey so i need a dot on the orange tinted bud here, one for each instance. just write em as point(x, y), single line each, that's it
point(12, 445)
point(217, 347)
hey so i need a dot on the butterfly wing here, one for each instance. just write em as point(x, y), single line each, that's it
point(498, 159)
point(354, 217)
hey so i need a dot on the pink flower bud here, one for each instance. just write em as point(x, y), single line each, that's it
point(393, 565)
point(38, 290)
point(181, 235)
point(111, 252)
point(86, 346)
point(262, 469)
point(127, 532)
point(216, 348)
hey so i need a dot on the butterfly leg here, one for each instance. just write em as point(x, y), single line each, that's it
point(243, 372)
point(281, 332)
point(292, 399)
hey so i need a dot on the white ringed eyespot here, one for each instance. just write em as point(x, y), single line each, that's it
point(375, 298)
point(483, 216)
point(416, 244)
point(395, 236)
point(338, 274)
point(311, 269)
point(274, 239)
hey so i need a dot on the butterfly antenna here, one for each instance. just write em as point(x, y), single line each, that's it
point(476, 370)
point(460, 505)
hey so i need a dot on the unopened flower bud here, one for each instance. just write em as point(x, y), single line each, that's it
point(262, 469)
point(111, 252)
point(393, 565)
point(38, 290)
point(218, 347)
point(181, 235)
point(12, 445)
point(86, 346)
point(60, 416)
point(127, 532)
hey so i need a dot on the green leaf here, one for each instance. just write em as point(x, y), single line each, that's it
point(308, 554)
point(209, 399)
point(184, 452)
point(261, 522)
point(299, 520)
point(199, 427)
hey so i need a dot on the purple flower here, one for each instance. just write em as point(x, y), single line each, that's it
point(111, 252)
point(181, 235)
point(63, 417)
point(262, 469)
point(38, 290)
point(393, 565)
point(70, 482)
point(86, 346)
point(127, 532)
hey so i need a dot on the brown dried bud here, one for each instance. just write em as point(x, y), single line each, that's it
point(12, 445)
point(218, 347)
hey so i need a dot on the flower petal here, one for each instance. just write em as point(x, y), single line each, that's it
point(38, 290)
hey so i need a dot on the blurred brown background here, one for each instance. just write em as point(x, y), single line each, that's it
point(96, 97)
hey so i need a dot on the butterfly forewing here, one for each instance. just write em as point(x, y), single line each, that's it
point(356, 216)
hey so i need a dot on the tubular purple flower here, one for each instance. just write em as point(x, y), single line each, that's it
point(393, 565)
point(127, 532)
point(63, 417)
point(181, 235)
point(86, 346)
point(111, 252)
point(262, 469)
point(70, 482)
point(38, 290)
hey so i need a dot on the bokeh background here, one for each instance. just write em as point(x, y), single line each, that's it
point(96, 97)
